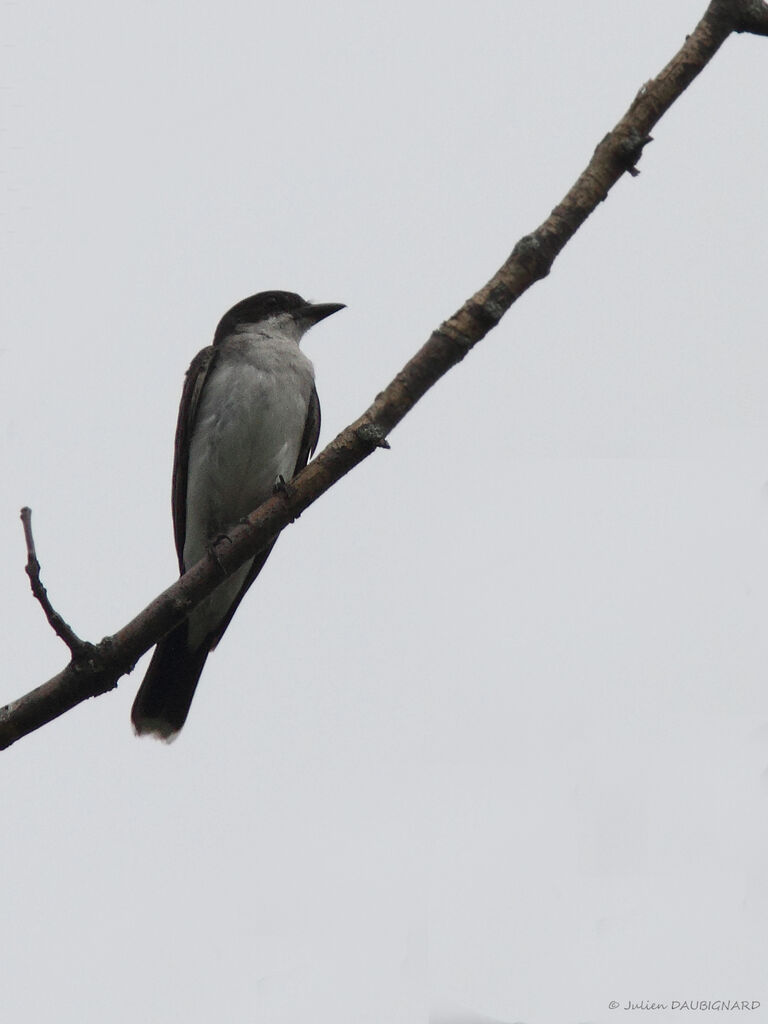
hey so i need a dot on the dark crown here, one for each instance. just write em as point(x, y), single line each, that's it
point(257, 307)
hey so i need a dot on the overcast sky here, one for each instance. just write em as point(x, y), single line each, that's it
point(490, 734)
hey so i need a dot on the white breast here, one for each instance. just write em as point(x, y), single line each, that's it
point(247, 433)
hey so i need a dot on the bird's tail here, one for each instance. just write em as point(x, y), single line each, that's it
point(165, 696)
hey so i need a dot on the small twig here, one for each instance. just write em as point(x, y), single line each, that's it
point(78, 648)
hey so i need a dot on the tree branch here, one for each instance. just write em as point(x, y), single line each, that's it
point(96, 669)
point(77, 647)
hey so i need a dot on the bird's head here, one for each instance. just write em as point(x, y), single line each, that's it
point(286, 312)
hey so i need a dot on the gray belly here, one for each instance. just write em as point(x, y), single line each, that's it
point(247, 433)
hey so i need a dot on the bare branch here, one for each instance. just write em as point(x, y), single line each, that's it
point(530, 260)
point(77, 647)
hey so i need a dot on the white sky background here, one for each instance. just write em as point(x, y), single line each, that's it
point(491, 731)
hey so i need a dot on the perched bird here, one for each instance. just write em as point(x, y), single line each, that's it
point(249, 418)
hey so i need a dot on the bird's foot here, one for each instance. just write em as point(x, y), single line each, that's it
point(211, 548)
point(282, 486)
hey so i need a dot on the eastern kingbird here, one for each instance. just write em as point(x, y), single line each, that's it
point(249, 418)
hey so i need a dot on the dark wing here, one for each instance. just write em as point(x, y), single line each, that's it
point(308, 444)
point(194, 382)
point(311, 432)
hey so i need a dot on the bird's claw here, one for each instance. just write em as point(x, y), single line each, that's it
point(211, 548)
point(283, 487)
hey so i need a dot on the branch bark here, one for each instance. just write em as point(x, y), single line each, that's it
point(61, 628)
point(95, 669)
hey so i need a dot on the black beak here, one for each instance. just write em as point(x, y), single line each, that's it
point(314, 312)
